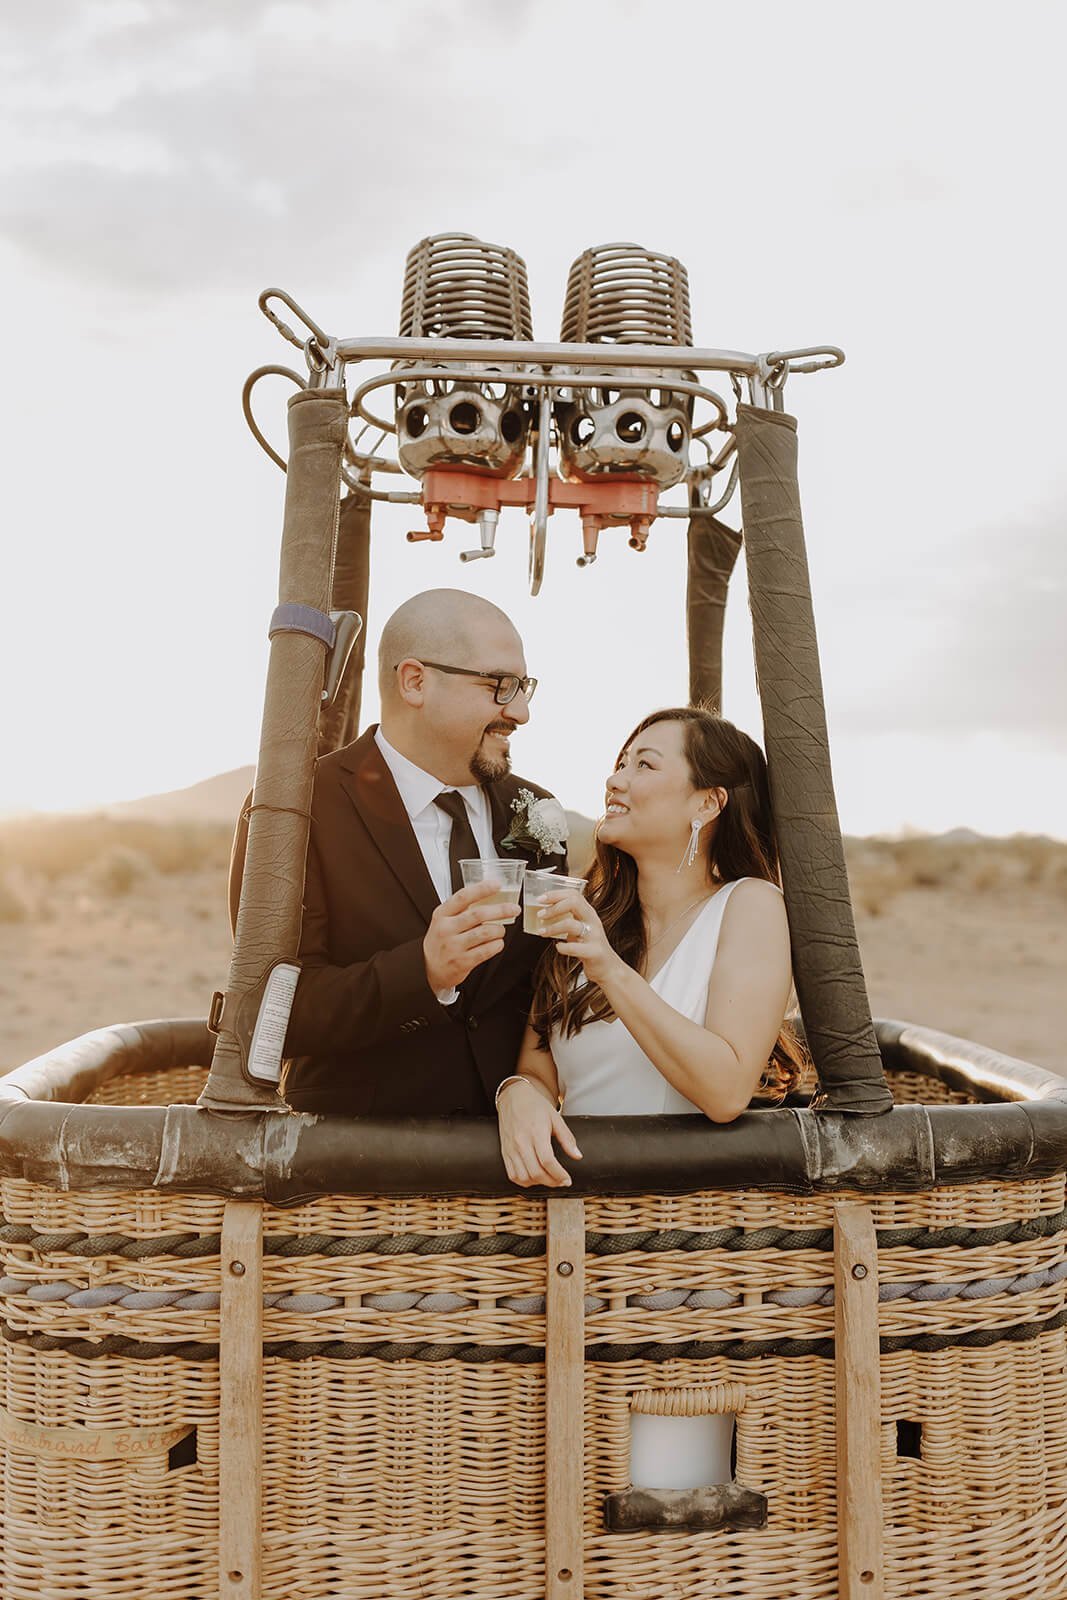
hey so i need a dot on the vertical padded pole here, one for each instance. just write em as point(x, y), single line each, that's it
point(713, 549)
point(272, 886)
point(826, 958)
point(339, 723)
point(241, 1402)
point(857, 1404)
point(564, 1399)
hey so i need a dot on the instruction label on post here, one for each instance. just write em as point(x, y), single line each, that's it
point(268, 1037)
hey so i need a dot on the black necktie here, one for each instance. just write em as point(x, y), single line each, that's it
point(462, 845)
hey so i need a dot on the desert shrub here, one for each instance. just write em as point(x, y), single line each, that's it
point(925, 863)
point(986, 874)
point(874, 888)
point(57, 847)
point(118, 870)
point(1044, 861)
point(13, 903)
point(879, 868)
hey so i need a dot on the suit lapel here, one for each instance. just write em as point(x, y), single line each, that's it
point(369, 785)
point(500, 817)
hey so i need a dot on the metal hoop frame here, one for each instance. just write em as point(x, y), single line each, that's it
point(546, 372)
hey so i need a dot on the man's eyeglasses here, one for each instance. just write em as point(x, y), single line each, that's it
point(505, 684)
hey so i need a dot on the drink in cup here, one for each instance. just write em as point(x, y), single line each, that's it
point(535, 886)
point(508, 874)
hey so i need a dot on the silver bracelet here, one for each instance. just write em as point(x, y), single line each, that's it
point(519, 1077)
point(516, 1077)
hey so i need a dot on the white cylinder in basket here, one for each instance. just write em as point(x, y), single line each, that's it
point(680, 1452)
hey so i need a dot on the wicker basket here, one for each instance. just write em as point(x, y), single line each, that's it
point(404, 1390)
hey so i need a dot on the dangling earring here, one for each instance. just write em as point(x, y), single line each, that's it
point(691, 848)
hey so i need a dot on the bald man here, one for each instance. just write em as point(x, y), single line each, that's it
point(412, 996)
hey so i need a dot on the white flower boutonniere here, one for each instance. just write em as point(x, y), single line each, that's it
point(538, 825)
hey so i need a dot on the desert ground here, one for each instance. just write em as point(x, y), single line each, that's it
point(115, 919)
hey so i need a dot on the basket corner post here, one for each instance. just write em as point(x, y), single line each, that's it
point(857, 1405)
point(241, 1402)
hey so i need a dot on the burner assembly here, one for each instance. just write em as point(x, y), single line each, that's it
point(620, 294)
point(458, 287)
point(484, 418)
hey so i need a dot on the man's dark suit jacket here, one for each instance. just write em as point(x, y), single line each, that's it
point(374, 1039)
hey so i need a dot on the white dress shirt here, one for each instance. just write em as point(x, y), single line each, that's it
point(433, 827)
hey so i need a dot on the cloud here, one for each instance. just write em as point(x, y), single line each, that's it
point(992, 657)
point(170, 145)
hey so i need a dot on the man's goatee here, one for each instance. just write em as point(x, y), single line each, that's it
point(486, 771)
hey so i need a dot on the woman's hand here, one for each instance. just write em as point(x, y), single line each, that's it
point(528, 1125)
point(578, 931)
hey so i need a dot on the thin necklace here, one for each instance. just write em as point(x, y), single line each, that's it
point(678, 918)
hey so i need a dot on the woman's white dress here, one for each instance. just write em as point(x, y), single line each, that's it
point(604, 1072)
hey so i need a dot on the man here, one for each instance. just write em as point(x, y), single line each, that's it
point(412, 998)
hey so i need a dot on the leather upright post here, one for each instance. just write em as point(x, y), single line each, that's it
point(712, 554)
point(339, 722)
point(269, 918)
point(826, 958)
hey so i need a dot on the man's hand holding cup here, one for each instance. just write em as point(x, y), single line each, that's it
point(468, 928)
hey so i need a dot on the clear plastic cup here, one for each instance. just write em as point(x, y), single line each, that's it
point(535, 886)
point(509, 876)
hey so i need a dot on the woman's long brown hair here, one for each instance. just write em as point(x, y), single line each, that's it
point(741, 845)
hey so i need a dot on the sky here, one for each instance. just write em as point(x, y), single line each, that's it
point(884, 180)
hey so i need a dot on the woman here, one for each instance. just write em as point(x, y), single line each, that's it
point(665, 991)
point(668, 983)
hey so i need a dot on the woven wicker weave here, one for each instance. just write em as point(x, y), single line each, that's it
point(405, 1442)
point(182, 1085)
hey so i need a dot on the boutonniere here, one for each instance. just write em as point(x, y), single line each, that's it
point(538, 825)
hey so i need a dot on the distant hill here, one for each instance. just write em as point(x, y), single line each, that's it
point(216, 799)
point(219, 799)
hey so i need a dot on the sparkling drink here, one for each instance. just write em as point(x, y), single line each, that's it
point(508, 874)
point(535, 886)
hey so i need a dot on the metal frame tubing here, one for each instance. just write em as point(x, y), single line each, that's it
point(660, 357)
point(268, 922)
point(826, 960)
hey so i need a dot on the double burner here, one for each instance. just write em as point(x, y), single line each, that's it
point(626, 429)
point(601, 423)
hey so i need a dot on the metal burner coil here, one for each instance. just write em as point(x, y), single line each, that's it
point(460, 287)
point(624, 294)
